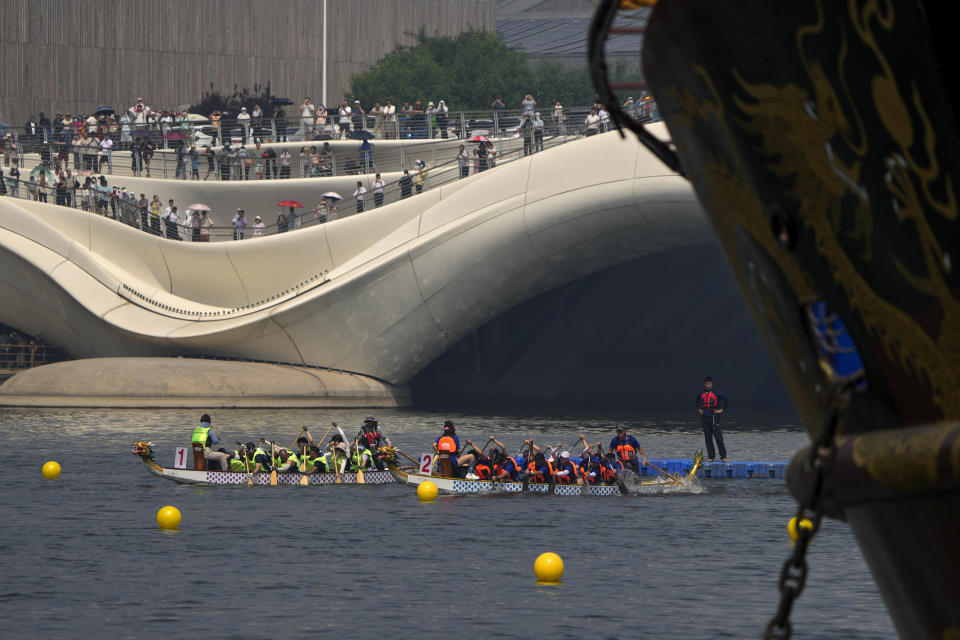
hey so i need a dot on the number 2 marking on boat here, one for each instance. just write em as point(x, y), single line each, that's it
point(180, 458)
point(426, 464)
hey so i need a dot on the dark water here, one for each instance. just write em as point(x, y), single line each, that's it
point(83, 556)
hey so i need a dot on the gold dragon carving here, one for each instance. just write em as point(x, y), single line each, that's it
point(804, 133)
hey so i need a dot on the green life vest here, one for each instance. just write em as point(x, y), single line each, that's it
point(318, 462)
point(256, 453)
point(200, 436)
point(355, 459)
point(295, 460)
point(237, 465)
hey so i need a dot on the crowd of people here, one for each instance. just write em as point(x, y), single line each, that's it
point(338, 455)
point(531, 463)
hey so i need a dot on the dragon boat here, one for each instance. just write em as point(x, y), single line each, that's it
point(628, 484)
point(192, 476)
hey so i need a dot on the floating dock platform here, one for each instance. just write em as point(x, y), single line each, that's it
point(735, 470)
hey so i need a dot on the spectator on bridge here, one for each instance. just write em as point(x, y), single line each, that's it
point(390, 120)
point(377, 113)
point(592, 122)
point(497, 105)
point(281, 222)
point(243, 119)
point(239, 223)
point(358, 116)
point(442, 118)
point(285, 163)
point(256, 121)
point(9, 150)
point(141, 113)
point(537, 132)
point(360, 194)
point(211, 162)
point(280, 123)
point(463, 161)
point(528, 106)
point(258, 227)
point(421, 178)
point(14, 177)
point(343, 119)
point(406, 184)
point(378, 185)
point(557, 118)
point(308, 113)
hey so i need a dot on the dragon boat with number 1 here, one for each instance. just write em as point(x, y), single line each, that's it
point(628, 483)
point(193, 476)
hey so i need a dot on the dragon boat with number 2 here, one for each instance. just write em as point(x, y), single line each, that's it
point(627, 484)
point(240, 478)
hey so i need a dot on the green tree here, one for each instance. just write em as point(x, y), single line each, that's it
point(467, 71)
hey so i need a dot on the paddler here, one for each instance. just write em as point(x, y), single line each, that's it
point(338, 461)
point(360, 458)
point(505, 467)
point(627, 449)
point(566, 472)
point(258, 458)
point(204, 436)
point(289, 461)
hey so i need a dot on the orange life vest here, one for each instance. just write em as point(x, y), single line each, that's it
point(499, 470)
point(626, 452)
point(482, 470)
point(447, 444)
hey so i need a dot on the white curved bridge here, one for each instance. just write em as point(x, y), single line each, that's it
point(380, 294)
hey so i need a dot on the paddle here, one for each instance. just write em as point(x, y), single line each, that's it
point(246, 461)
point(356, 446)
point(273, 464)
point(666, 474)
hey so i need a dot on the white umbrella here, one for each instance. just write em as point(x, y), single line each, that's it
point(332, 195)
point(199, 207)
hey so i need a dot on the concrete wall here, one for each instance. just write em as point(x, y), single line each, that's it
point(63, 55)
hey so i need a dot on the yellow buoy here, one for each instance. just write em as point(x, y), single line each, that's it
point(427, 491)
point(548, 568)
point(168, 517)
point(51, 470)
point(794, 531)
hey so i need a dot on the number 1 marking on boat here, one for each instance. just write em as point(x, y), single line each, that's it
point(180, 458)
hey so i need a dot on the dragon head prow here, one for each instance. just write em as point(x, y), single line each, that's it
point(142, 448)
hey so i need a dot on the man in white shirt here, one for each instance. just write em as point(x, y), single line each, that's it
point(344, 119)
point(106, 147)
point(378, 185)
point(463, 159)
point(592, 122)
point(243, 119)
point(390, 120)
point(308, 112)
point(359, 194)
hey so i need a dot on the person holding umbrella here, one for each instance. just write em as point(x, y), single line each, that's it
point(291, 216)
point(332, 197)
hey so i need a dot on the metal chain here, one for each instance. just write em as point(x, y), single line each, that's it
point(793, 576)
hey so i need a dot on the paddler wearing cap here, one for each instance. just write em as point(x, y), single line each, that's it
point(565, 471)
point(627, 449)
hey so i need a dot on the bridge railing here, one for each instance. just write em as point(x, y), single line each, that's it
point(161, 149)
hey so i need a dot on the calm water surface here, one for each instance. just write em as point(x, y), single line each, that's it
point(82, 556)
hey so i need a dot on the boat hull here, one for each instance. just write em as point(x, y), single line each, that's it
point(462, 486)
point(191, 476)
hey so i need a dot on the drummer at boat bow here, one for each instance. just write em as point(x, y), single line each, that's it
point(203, 437)
point(371, 437)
